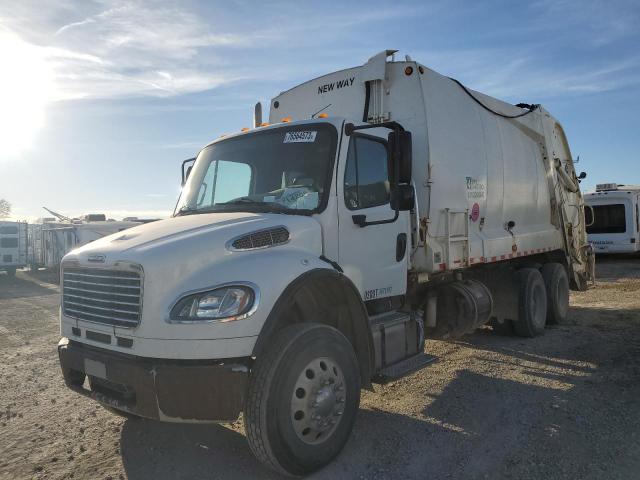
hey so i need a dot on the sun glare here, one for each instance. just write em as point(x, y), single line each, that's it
point(26, 87)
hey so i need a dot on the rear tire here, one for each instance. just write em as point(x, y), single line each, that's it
point(557, 285)
point(302, 400)
point(532, 303)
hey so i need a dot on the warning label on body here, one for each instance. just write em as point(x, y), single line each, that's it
point(476, 189)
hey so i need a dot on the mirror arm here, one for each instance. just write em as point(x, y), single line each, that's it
point(184, 179)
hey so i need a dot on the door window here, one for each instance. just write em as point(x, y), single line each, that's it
point(366, 178)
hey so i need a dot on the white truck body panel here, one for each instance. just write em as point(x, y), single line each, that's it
point(13, 245)
point(616, 227)
point(484, 170)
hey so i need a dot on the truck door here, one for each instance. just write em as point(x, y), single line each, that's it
point(374, 257)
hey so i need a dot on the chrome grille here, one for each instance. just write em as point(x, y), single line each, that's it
point(261, 239)
point(103, 296)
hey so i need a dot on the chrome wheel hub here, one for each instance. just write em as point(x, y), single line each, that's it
point(317, 401)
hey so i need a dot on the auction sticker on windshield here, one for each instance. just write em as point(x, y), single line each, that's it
point(301, 136)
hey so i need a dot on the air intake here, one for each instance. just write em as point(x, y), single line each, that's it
point(270, 237)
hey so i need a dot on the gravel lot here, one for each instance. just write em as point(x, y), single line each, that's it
point(564, 405)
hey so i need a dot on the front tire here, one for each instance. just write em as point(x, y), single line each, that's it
point(532, 303)
point(303, 397)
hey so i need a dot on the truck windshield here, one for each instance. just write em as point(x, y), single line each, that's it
point(285, 169)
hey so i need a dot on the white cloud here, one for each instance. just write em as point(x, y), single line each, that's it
point(127, 48)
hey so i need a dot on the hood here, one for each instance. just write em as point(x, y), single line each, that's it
point(192, 234)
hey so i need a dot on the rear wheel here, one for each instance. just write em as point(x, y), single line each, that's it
point(532, 303)
point(557, 285)
point(303, 398)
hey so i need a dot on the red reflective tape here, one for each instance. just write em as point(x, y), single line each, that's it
point(502, 257)
point(482, 259)
point(493, 259)
point(443, 266)
point(471, 259)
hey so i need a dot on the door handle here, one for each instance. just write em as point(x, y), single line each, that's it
point(361, 220)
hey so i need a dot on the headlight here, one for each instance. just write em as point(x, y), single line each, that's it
point(222, 304)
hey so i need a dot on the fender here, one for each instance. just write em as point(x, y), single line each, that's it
point(355, 327)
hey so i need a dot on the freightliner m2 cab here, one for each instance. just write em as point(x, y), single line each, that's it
point(311, 256)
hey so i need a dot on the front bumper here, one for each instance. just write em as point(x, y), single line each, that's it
point(167, 390)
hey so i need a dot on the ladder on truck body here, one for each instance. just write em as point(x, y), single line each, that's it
point(456, 238)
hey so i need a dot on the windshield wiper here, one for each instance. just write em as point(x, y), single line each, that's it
point(241, 200)
point(269, 207)
point(274, 207)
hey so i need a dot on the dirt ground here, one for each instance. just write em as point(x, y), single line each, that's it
point(563, 405)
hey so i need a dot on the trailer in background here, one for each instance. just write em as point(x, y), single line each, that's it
point(13, 246)
point(60, 238)
point(51, 240)
point(614, 224)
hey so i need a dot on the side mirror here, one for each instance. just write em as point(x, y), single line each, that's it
point(403, 198)
point(187, 165)
point(582, 176)
point(401, 151)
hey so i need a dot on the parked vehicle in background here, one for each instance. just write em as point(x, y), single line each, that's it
point(613, 225)
point(13, 246)
point(51, 239)
point(312, 255)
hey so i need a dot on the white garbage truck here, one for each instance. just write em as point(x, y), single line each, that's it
point(310, 256)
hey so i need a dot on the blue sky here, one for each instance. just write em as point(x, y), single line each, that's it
point(100, 101)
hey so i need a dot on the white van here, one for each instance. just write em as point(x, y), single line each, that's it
point(614, 225)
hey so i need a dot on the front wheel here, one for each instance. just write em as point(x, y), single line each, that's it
point(303, 397)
